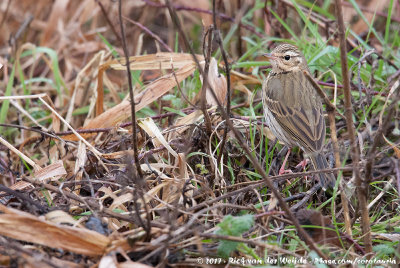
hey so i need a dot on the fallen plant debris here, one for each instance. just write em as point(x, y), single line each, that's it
point(191, 180)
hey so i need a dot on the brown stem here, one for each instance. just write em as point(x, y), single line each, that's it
point(321, 93)
point(180, 89)
point(203, 101)
point(362, 186)
point(131, 94)
point(103, 10)
point(146, 30)
point(217, 36)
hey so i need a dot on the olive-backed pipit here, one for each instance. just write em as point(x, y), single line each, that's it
point(292, 108)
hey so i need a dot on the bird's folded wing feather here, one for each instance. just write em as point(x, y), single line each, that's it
point(298, 112)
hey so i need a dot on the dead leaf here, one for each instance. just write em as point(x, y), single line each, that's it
point(161, 60)
point(152, 92)
point(60, 217)
point(217, 83)
point(26, 227)
point(53, 170)
point(148, 125)
point(393, 146)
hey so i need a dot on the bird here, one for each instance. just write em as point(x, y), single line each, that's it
point(292, 108)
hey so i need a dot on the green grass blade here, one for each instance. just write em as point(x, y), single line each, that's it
point(59, 81)
point(389, 18)
point(105, 41)
point(284, 24)
point(6, 103)
point(361, 14)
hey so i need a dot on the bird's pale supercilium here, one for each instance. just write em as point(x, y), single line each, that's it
point(292, 108)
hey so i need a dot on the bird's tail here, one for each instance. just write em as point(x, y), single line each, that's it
point(319, 162)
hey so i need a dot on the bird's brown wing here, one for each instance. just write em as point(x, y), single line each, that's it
point(297, 109)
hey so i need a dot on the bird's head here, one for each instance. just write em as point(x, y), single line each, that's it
point(287, 58)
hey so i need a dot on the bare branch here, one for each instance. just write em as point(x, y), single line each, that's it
point(131, 94)
point(361, 185)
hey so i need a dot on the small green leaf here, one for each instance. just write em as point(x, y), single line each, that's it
point(383, 249)
point(232, 226)
point(172, 110)
point(81, 110)
point(317, 260)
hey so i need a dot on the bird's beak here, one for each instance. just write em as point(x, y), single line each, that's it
point(270, 56)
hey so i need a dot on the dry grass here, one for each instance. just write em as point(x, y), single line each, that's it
point(70, 191)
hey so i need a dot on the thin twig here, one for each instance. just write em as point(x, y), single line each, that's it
point(131, 94)
point(307, 196)
point(362, 186)
point(218, 39)
point(25, 199)
point(239, 239)
point(103, 10)
point(364, 90)
point(44, 133)
point(397, 172)
point(180, 89)
point(127, 124)
point(145, 29)
point(203, 101)
point(13, 39)
point(321, 93)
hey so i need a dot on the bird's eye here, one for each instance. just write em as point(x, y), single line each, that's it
point(286, 57)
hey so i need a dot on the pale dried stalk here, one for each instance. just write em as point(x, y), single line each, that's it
point(91, 147)
point(19, 153)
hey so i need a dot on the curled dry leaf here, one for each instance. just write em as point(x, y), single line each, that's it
point(161, 60)
point(35, 166)
point(183, 123)
point(60, 217)
point(148, 125)
point(393, 146)
point(53, 170)
point(20, 186)
point(218, 84)
point(242, 88)
point(80, 164)
point(26, 227)
point(152, 92)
